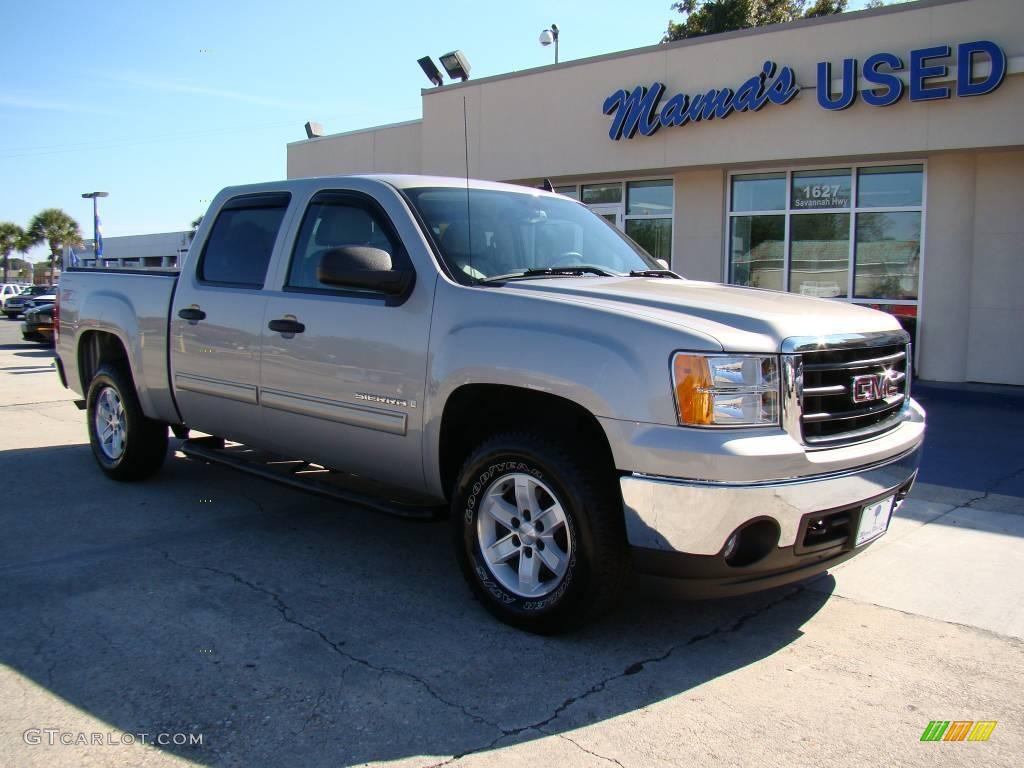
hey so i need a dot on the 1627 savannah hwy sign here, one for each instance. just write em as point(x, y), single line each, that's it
point(641, 109)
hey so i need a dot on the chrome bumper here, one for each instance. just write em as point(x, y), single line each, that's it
point(697, 517)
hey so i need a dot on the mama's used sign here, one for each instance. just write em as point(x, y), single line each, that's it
point(643, 109)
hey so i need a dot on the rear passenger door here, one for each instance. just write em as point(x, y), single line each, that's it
point(217, 319)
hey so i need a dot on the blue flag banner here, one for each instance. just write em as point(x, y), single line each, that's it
point(73, 257)
point(99, 239)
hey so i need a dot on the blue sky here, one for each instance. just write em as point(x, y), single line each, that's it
point(162, 104)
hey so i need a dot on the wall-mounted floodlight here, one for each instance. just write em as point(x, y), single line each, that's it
point(456, 65)
point(549, 36)
point(313, 130)
point(431, 71)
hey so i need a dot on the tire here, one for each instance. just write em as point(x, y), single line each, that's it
point(142, 447)
point(584, 537)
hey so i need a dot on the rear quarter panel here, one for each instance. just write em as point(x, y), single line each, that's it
point(133, 307)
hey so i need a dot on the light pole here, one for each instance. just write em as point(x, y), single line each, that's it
point(549, 36)
point(97, 238)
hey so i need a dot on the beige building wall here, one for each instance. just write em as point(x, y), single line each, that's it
point(698, 229)
point(948, 246)
point(548, 122)
point(995, 333)
point(388, 149)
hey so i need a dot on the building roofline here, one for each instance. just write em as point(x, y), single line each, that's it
point(371, 129)
point(702, 40)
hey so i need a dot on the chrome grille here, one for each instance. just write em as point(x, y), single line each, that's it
point(874, 367)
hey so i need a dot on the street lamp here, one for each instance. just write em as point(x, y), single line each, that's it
point(97, 237)
point(549, 36)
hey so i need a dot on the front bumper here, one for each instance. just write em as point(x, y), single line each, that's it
point(680, 528)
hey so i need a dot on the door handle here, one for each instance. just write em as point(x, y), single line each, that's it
point(191, 314)
point(286, 326)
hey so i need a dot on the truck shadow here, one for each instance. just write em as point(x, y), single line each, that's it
point(277, 623)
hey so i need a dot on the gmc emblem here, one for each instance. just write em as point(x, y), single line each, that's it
point(874, 386)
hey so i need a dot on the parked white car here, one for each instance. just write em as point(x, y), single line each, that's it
point(9, 290)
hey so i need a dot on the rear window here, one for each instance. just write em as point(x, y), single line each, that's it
point(238, 249)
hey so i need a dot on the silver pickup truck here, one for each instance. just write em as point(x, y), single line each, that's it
point(421, 344)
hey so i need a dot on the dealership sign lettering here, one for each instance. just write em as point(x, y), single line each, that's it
point(644, 109)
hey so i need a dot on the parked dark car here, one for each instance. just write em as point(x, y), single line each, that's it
point(18, 304)
point(38, 325)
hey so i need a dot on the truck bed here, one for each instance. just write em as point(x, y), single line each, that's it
point(132, 304)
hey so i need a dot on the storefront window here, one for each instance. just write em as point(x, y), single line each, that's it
point(569, 191)
point(820, 254)
point(889, 186)
point(847, 233)
point(759, 192)
point(649, 198)
point(653, 235)
point(821, 189)
point(758, 257)
point(888, 256)
point(648, 218)
point(594, 194)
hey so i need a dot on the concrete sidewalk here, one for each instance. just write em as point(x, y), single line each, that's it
point(289, 630)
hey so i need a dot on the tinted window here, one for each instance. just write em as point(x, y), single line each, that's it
point(330, 224)
point(239, 246)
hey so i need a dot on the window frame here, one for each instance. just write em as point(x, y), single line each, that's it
point(399, 259)
point(853, 210)
point(240, 203)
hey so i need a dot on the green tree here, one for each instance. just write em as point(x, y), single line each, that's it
point(11, 238)
point(709, 17)
point(195, 227)
point(55, 228)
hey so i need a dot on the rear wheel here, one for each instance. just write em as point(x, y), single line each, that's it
point(539, 533)
point(126, 444)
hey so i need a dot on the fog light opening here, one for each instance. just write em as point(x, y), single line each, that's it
point(750, 543)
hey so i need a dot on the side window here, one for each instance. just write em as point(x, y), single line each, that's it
point(330, 223)
point(238, 249)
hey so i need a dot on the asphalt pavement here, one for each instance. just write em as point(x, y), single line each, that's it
point(283, 629)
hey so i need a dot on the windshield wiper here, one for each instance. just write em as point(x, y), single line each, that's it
point(654, 273)
point(581, 269)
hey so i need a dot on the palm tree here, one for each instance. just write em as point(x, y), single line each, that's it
point(11, 236)
point(58, 230)
point(195, 227)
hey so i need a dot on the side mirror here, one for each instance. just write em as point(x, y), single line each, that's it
point(360, 266)
point(663, 263)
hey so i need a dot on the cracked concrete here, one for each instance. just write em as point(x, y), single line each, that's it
point(287, 629)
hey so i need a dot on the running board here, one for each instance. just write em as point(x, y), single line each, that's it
point(306, 476)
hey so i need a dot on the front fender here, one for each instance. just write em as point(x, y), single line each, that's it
point(613, 364)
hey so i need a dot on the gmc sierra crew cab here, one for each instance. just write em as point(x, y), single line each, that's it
point(503, 353)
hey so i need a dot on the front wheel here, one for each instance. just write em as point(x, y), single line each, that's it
point(126, 444)
point(539, 533)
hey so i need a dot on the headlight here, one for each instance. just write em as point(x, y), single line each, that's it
point(726, 390)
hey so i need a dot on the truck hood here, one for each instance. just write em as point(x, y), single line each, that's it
point(740, 319)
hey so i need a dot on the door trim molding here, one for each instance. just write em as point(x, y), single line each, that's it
point(380, 419)
point(204, 385)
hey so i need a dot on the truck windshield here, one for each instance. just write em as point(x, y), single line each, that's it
point(484, 233)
